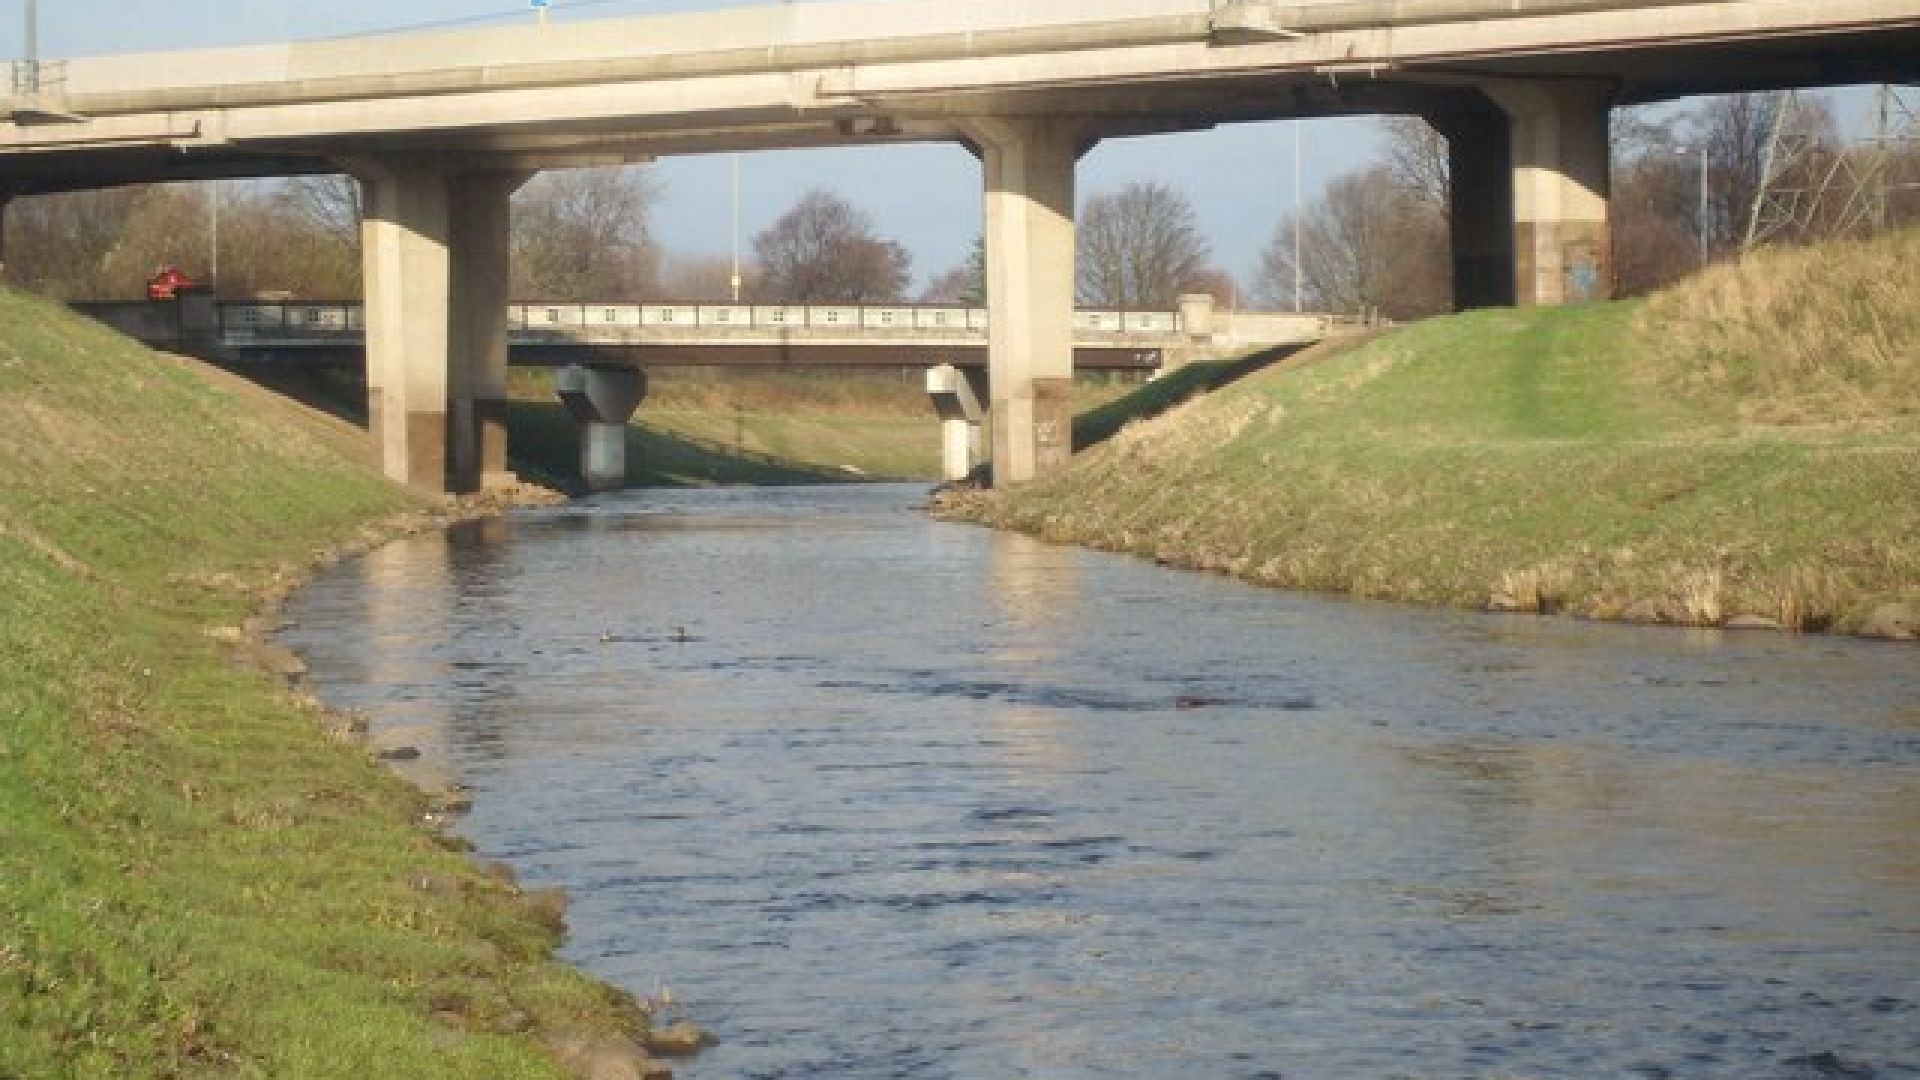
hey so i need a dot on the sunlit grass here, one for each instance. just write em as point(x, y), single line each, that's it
point(194, 879)
point(1587, 459)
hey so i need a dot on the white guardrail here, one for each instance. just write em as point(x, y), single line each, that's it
point(569, 319)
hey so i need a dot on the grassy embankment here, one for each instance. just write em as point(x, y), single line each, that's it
point(1747, 444)
point(700, 427)
point(196, 878)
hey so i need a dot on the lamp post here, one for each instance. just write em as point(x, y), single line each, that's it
point(30, 74)
point(1704, 253)
point(213, 255)
point(735, 228)
point(1701, 213)
point(1298, 275)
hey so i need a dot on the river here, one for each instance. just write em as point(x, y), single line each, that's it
point(877, 796)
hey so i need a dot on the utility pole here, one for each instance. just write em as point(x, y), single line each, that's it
point(30, 76)
point(213, 257)
point(1299, 277)
point(735, 228)
point(1706, 253)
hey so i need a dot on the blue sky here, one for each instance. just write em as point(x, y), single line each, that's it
point(1240, 179)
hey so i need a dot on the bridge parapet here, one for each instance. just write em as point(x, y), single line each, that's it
point(728, 333)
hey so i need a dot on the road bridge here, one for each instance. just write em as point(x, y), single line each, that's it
point(713, 335)
point(442, 127)
point(602, 351)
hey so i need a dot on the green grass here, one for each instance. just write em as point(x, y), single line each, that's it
point(697, 449)
point(194, 879)
point(1579, 459)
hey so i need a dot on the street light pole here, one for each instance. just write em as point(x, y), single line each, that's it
point(213, 216)
point(735, 228)
point(30, 76)
point(1298, 276)
point(1703, 204)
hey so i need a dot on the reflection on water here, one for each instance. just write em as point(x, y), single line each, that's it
point(884, 797)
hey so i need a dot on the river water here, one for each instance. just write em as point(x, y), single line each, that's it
point(882, 797)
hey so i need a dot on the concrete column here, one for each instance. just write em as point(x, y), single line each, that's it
point(1480, 191)
point(404, 248)
point(959, 396)
point(1028, 165)
point(1558, 148)
point(480, 216)
point(601, 400)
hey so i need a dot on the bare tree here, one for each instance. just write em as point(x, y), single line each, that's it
point(1368, 246)
point(703, 279)
point(59, 245)
point(1419, 160)
point(824, 250)
point(585, 235)
point(965, 283)
point(1736, 130)
point(1139, 248)
point(329, 205)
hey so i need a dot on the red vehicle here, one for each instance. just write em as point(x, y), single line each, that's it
point(168, 283)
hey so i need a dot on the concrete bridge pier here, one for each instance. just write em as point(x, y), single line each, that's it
point(959, 396)
point(478, 347)
point(601, 400)
point(1028, 165)
point(434, 246)
point(1558, 150)
point(1529, 188)
point(1480, 197)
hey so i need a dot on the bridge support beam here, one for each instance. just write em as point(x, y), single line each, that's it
point(959, 396)
point(601, 400)
point(1558, 153)
point(1028, 166)
point(434, 247)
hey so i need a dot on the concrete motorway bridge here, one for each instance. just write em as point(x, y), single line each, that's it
point(442, 127)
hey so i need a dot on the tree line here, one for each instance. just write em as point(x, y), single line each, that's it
point(1375, 242)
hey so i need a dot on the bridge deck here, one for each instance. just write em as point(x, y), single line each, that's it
point(718, 335)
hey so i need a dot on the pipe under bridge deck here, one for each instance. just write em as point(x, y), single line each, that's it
point(712, 335)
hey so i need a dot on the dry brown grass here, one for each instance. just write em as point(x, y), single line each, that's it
point(1795, 336)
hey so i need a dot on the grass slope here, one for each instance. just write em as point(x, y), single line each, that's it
point(194, 880)
point(1746, 445)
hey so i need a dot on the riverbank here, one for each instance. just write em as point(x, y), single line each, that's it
point(1743, 449)
point(200, 872)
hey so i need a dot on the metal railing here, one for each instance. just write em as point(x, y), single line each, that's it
point(569, 320)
